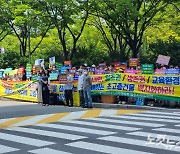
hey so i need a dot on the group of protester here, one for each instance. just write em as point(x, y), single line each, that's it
point(84, 88)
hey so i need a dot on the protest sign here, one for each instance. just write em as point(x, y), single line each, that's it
point(1, 74)
point(120, 69)
point(160, 71)
point(130, 71)
point(133, 62)
point(164, 60)
point(99, 71)
point(28, 70)
point(53, 76)
point(172, 71)
point(67, 63)
point(39, 63)
point(102, 65)
point(147, 68)
point(52, 60)
point(63, 69)
point(21, 70)
point(58, 65)
point(7, 71)
point(62, 79)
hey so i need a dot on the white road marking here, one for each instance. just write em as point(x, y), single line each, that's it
point(78, 129)
point(24, 140)
point(73, 115)
point(104, 125)
point(127, 122)
point(168, 130)
point(48, 151)
point(144, 118)
point(47, 133)
point(138, 143)
point(5, 149)
point(104, 148)
point(108, 112)
point(32, 120)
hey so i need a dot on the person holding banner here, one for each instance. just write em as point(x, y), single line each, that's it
point(80, 87)
point(39, 88)
point(45, 89)
point(87, 82)
point(68, 87)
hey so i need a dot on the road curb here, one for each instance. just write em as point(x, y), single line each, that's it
point(125, 106)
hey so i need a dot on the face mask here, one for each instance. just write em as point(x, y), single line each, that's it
point(86, 73)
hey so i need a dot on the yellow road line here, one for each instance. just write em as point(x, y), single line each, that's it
point(57, 117)
point(129, 111)
point(92, 113)
point(53, 118)
point(13, 121)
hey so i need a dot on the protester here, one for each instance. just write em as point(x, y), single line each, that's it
point(87, 82)
point(80, 87)
point(39, 88)
point(45, 89)
point(68, 89)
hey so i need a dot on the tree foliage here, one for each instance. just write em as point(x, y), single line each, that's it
point(89, 30)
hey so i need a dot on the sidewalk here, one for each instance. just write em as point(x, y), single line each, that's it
point(128, 106)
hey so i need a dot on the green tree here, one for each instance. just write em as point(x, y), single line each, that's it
point(23, 18)
point(170, 48)
point(130, 18)
point(69, 17)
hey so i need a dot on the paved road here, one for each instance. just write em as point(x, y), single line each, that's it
point(152, 132)
point(10, 109)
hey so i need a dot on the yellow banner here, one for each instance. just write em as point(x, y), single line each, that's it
point(27, 91)
point(166, 85)
point(149, 85)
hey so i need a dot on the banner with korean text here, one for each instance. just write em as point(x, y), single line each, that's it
point(166, 87)
point(27, 91)
point(149, 86)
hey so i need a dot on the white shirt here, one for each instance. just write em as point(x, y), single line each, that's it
point(69, 85)
point(80, 82)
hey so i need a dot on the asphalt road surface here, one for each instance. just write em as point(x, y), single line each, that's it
point(148, 132)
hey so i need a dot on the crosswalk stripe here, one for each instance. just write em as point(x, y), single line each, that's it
point(168, 130)
point(92, 113)
point(163, 113)
point(52, 118)
point(13, 121)
point(129, 111)
point(138, 143)
point(47, 133)
point(78, 129)
point(155, 116)
point(108, 112)
point(5, 120)
point(103, 148)
point(177, 125)
point(5, 149)
point(73, 115)
point(48, 151)
point(127, 122)
point(32, 120)
point(144, 118)
point(154, 135)
point(104, 125)
point(24, 140)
